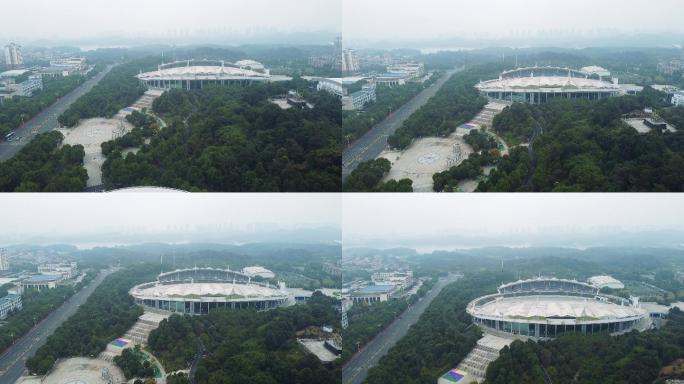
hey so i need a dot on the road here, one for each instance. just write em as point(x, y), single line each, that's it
point(356, 369)
point(369, 146)
point(12, 361)
point(46, 120)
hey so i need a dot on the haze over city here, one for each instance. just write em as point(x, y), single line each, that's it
point(102, 23)
point(575, 220)
point(460, 24)
point(124, 218)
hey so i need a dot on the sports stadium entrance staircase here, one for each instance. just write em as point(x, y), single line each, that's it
point(138, 334)
point(486, 350)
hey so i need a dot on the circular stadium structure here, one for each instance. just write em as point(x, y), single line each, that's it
point(200, 290)
point(197, 74)
point(550, 307)
point(537, 85)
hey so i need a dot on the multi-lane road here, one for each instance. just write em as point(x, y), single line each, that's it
point(46, 120)
point(369, 146)
point(356, 369)
point(13, 359)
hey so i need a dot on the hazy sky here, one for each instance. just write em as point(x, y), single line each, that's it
point(65, 19)
point(406, 20)
point(48, 215)
point(402, 218)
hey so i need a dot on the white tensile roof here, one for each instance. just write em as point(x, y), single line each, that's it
point(229, 290)
point(554, 306)
point(605, 281)
point(542, 82)
point(202, 72)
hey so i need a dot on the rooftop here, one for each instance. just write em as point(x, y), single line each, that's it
point(528, 307)
point(376, 289)
point(554, 82)
point(43, 278)
point(227, 290)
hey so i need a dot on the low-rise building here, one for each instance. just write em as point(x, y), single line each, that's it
point(66, 270)
point(9, 304)
point(401, 279)
point(391, 79)
point(41, 282)
point(360, 98)
point(69, 63)
point(373, 294)
point(411, 70)
point(258, 271)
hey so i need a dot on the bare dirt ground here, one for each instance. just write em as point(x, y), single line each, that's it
point(430, 155)
point(425, 157)
point(91, 133)
point(78, 370)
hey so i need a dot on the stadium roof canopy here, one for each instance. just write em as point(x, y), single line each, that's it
point(202, 72)
point(546, 83)
point(556, 306)
point(196, 290)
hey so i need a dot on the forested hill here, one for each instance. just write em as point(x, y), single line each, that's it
point(45, 165)
point(456, 102)
point(592, 359)
point(118, 89)
point(249, 347)
point(586, 147)
point(234, 139)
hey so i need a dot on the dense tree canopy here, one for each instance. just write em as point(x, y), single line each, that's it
point(356, 123)
point(587, 359)
point(366, 321)
point(18, 110)
point(35, 306)
point(368, 175)
point(249, 347)
point(584, 146)
point(133, 363)
point(44, 165)
point(441, 338)
point(456, 102)
point(118, 89)
point(107, 314)
point(234, 139)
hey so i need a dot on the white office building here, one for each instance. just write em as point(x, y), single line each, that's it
point(678, 98)
point(13, 57)
point(8, 304)
point(4, 262)
point(66, 270)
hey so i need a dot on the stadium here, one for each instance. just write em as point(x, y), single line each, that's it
point(196, 74)
point(198, 291)
point(550, 307)
point(537, 85)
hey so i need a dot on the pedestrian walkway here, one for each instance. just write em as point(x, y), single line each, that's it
point(474, 367)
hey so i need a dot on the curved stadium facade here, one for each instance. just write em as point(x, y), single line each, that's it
point(536, 85)
point(200, 290)
point(197, 74)
point(550, 307)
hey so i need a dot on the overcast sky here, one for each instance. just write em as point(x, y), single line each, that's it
point(404, 20)
point(52, 215)
point(69, 19)
point(392, 220)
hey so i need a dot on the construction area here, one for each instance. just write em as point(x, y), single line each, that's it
point(474, 366)
point(430, 155)
point(91, 133)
